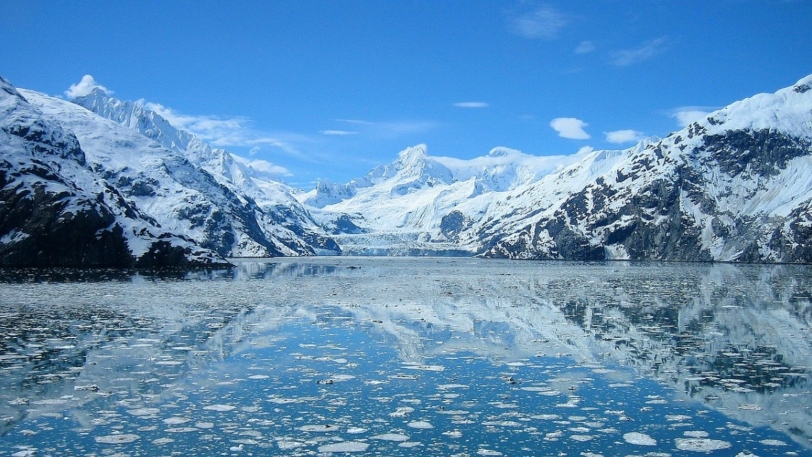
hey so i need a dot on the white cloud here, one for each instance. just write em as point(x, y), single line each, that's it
point(626, 57)
point(338, 132)
point(686, 115)
point(585, 47)
point(471, 105)
point(570, 127)
point(391, 129)
point(624, 136)
point(85, 87)
point(544, 23)
point(266, 167)
point(225, 132)
point(262, 166)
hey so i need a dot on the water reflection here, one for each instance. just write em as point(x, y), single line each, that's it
point(734, 338)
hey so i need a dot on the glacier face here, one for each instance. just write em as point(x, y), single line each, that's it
point(736, 186)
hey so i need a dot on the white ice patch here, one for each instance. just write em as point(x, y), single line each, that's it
point(220, 408)
point(773, 443)
point(122, 438)
point(640, 439)
point(318, 428)
point(144, 411)
point(344, 446)
point(420, 424)
point(701, 444)
point(391, 437)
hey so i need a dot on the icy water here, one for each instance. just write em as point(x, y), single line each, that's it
point(383, 356)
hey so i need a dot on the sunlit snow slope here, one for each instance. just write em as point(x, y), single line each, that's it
point(736, 186)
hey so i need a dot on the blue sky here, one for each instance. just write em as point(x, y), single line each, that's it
point(330, 89)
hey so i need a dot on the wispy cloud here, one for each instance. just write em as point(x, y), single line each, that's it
point(543, 23)
point(585, 47)
point(570, 127)
point(471, 105)
point(390, 129)
point(338, 132)
point(626, 57)
point(686, 115)
point(85, 87)
point(263, 166)
point(624, 136)
point(225, 132)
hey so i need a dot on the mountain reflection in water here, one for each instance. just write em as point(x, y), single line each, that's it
point(735, 338)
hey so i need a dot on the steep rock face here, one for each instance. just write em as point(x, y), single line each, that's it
point(55, 212)
point(734, 187)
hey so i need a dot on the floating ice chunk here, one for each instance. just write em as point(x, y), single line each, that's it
point(204, 425)
point(356, 430)
point(425, 367)
point(402, 411)
point(258, 376)
point(410, 444)
point(696, 434)
point(176, 420)
point(288, 444)
point(482, 451)
point(744, 407)
point(582, 438)
point(677, 417)
point(162, 441)
point(546, 417)
point(452, 386)
point(391, 437)
point(144, 411)
point(773, 443)
point(344, 446)
point(640, 439)
point(453, 434)
point(420, 424)
point(181, 430)
point(318, 428)
point(122, 438)
point(701, 444)
point(220, 408)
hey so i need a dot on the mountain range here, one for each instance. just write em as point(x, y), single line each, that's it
point(97, 181)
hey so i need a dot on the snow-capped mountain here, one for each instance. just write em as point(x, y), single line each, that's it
point(420, 204)
point(55, 211)
point(736, 186)
point(285, 225)
point(183, 184)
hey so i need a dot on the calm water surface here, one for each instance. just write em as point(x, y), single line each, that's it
point(383, 356)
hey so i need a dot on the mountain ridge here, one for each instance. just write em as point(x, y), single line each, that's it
point(735, 186)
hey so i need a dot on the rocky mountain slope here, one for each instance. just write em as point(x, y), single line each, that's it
point(55, 211)
point(182, 189)
point(736, 186)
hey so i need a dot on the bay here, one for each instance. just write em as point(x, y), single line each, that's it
point(405, 356)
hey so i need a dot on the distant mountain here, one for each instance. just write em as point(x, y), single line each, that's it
point(125, 187)
point(736, 186)
point(55, 211)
